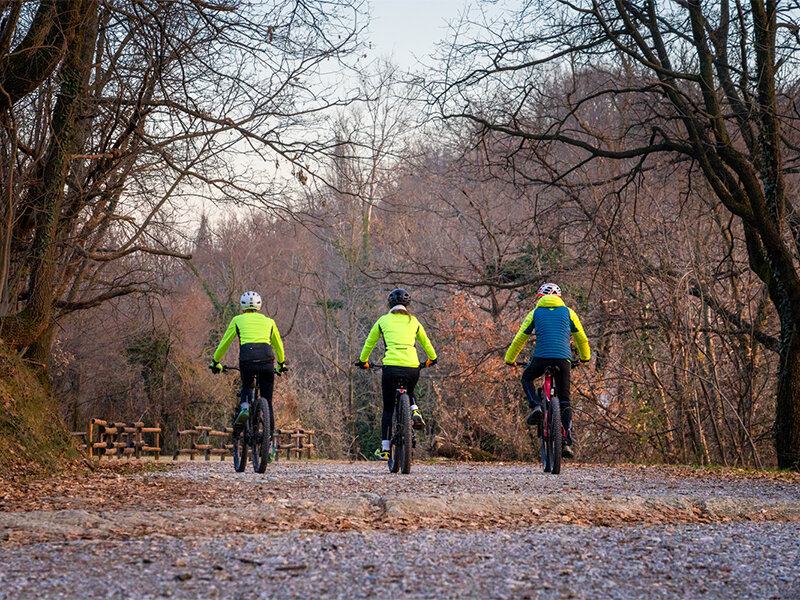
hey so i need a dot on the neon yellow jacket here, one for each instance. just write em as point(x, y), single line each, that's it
point(553, 323)
point(400, 331)
point(252, 328)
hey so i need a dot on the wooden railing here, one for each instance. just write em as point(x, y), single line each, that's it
point(204, 435)
point(116, 439)
point(294, 441)
point(112, 439)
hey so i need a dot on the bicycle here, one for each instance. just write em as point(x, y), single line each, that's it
point(550, 429)
point(403, 438)
point(256, 433)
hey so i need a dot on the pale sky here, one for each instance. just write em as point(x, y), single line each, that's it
point(407, 30)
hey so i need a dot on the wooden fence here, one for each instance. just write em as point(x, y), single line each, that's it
point(115, 439)
point(295, 441)
point(204, 435)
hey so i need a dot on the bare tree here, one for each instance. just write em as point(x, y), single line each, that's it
point(118, 118)
point(712, 88)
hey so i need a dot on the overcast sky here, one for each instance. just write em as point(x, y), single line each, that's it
point(408, 30)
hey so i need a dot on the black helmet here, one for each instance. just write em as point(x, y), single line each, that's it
point(399, 296)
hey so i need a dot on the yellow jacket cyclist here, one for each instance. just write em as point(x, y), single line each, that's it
point(259, 345)
point(553, 323)
point(400, 330)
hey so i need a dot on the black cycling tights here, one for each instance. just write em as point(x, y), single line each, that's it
point(536, 369)
point(391, 377)
point(263, 374)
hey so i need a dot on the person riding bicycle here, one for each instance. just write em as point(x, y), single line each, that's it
point(259, 344)
point(400, 329)
point(554, 323)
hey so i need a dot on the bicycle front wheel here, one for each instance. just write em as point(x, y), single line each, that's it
point(262, 436)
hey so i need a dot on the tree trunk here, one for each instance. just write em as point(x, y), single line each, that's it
point(24, 328)
point(787, 421)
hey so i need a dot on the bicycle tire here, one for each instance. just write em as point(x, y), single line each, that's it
point(405, 428)
point(395, 435)
point(543, 430)
point(240, 450)
point(556, 435)
point(545, 447)
point(261, 436)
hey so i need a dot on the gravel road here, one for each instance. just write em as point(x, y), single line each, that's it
point(727, 561)
point(350, 530)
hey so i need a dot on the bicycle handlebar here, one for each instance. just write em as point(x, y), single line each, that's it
point(371, 366)
point(227, 368)
point(519, 363)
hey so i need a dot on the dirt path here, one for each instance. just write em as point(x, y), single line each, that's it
point(459, 530)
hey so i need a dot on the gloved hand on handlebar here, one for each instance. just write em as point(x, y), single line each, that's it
point(361, 365)
point(282, 368)
point(430, 363)
point(215, 367)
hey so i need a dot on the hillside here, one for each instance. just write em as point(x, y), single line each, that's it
point(33, 438)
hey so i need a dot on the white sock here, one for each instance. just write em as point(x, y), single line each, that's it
point(384, 444)
point(414, 407)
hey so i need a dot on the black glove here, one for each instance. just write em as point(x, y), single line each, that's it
point(430, 363)
point(282, 368)
point(215, 367)
point(361, 365)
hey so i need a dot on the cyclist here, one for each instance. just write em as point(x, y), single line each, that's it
point(259, 344)
point(400, 329)
point(553, 323)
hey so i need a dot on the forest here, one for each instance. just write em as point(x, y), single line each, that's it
point(159, 158)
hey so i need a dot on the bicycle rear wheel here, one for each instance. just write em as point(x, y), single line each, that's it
point(556, 436)
point(404, 406)
point(395, 449)
point(545, 426)
point(400, 452)
point(261, 436)
point(240, 449)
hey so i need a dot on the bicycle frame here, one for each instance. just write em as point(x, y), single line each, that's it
point(248, 431)
point(550, 422)
point(398, 439)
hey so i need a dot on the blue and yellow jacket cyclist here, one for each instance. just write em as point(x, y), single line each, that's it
point(553, 324)
point(259, 345)
point(400, 331)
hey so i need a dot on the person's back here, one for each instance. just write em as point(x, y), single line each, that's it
point(554, 324)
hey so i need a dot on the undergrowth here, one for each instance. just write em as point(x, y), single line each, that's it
point(33, 438)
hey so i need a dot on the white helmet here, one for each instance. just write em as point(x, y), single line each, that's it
point(550, 289)
point(250, 300)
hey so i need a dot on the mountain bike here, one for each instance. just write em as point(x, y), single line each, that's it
point(255, 434)
point(550, 429)
point(402, 438)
